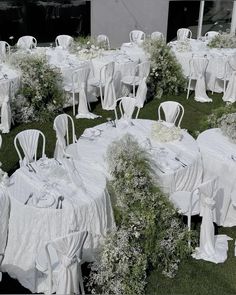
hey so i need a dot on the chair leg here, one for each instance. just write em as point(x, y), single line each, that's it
point(188, 90)
point(189, 229)
point(115, 114)
point(73, 101)
point(81, 284)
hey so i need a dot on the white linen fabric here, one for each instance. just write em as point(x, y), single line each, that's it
point(65, 41)
point(218, 155)
point(4, 50)
point(137, 36)
point(171, 110)
point(30, 227)
point(141, 94)
point(26, 42)
point(157, 35)
point(103, 40)
point(5, 105)
point(200, 65)
point(69, 249)
point(212, 248)
point(230, 93)
point(108, 100)
point(4, 218)
point(127, 106)
point(183, 34)
point(61, 127)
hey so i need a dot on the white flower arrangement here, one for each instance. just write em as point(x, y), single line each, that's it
point(89, 53)
point(227, 124)
point(183, 46)
point(223, 40)
point(164, 133)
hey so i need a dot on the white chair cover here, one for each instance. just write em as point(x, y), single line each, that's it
point(109, 98)
point(171, 111)
point(60, 126)
point(28, 140)
point(199, 66)
point(136, 36)
point(26, 42)
point(141, 93)
point(127, 106)
point(144, 69)
point(211, 34)
point(5, 106)
point(69, 250)
point(157, 35)
point(4, 50)
point(82, 79)
point(212, 248)
point(103, 40)
point(65, 41)
point(230, 93)
point(183, 34)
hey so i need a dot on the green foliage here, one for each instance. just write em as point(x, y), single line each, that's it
point(166, 73)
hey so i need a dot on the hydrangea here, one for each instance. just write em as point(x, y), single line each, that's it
point(227, 124)
point(163, 133)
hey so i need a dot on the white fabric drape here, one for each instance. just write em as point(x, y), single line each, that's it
point(136, 36)
point(68, 248)
point(29, 142)
point(171, 111)
point(25, 42)
point(64, 41)
point(5, 106)
point(183, 34)
point(212, 248)
point(141, 93)
point(127, 105)
point(230, 93)
point(61, 129)
point(199, 66)
point(109, 98)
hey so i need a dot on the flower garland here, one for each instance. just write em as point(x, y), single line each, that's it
point(166, 73)
point(149, 232)
point(40, 95)
point(227, 124)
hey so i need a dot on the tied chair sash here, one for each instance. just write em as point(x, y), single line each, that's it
point(61, 142)
point(170, 112)
point(109, 100)
point(83, 105)
point(200, 65)
point(29, 143)
point(230, 93)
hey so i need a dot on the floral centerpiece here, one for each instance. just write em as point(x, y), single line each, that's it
point(227, 124)
point(224, 40)
point(149, 231)
point(183, 45)
point(40, 95)
point(164, 133)
point(166, 74)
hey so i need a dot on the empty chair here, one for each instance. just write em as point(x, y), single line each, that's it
point(5, 49)
point(173, 112)
point(29, 142)
point(211, 34)
point(189, 203)
point(103, 41)
point(141, 95)
point(127, 106)
point(157, 36)
point(5, 96)
point(137, 36)
point(223, 71)
point(63, 134)
point(26, 42)
point(142, 71)
point(62, 258)
point(64, 41)
point(184, 34)
point(230, 94)
point(198, 66)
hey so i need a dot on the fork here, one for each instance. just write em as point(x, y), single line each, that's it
point(178, 160)
point(29, 197)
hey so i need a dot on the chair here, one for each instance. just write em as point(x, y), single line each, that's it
point(184, 34)
point(198, 66)
point(5, 95)
point(137, 36)
point(230, 94)
point(157, 36)
point(103, 41)
point(105, 83)
point(26, 42)
point(223, 71)
point(173, 112)
point(5, 50)
point(61, 126)
point(189, 203)
point(29, 141)
point(62, 257)
point(64, 41)
point(140, 97)
point(142, 71)
point(211, 34)
point(127, 106)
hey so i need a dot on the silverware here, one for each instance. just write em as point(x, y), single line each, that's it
point(58, 162)
point(233, 157)
point(29, 168)
point(32, 168)
point(29, 197)
point(59, 199)
point(62, 199)
point(178, 160)
point(159, 169)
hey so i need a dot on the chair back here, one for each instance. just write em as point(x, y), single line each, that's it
point(69, 251)
point(199, 65)
point(157, 36)
point(28, 141)
point(127, 106)
point(64, 41)
point(63, 134)
point(173, 112)
point(5, 49)
point(136, 36)
point(211, 34)
point(183, 34)
point(26, 42)
point(103, 41)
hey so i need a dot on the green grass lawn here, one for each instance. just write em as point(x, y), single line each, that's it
point(194, 277)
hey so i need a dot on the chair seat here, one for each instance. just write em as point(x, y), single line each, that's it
point(181, 200)
point(130, 80)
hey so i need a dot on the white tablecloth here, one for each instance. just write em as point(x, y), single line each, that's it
point(215, 65)
point(217, 151)
point(7, 72)
point(175, 177)
point(134, 51)
point(30, 227)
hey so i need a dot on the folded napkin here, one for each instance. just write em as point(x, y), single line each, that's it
point(44, 199)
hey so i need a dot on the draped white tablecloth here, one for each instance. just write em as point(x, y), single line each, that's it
point(31, 225)
point(92, 150)
point(14, 76)
point(216, 58)
point(219, 159)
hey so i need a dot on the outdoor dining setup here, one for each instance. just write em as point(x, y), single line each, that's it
point(115, 172)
